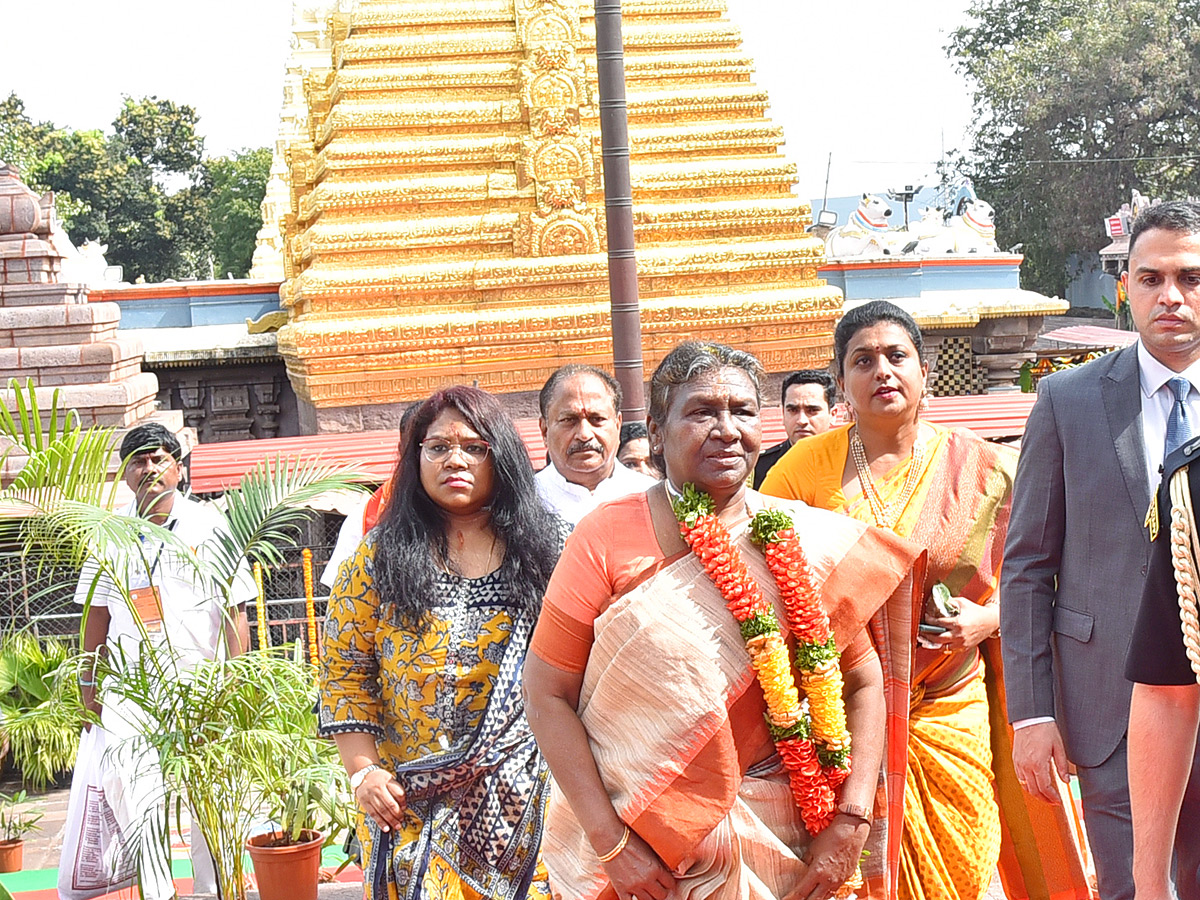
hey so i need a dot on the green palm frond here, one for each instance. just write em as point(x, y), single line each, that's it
point(73, 530)
point(267, 509)
point(63, 460)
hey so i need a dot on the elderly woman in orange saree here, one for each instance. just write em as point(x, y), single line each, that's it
point(949, 492)
point(641, 682)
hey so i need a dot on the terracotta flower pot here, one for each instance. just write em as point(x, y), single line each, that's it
point(287, 871)
point(11, 855)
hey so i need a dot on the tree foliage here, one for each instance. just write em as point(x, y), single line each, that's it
point(238, 185)
point(1077, 103)
point(146, 189)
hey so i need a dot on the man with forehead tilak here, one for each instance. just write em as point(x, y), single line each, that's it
point(163, 607)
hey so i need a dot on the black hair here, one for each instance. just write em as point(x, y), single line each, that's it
point(872, 313)
point(691, 359)
point(410, 539)
point(632, 431)
point(558, 376)
point(811, 376)
point(147, 438)
point(1180, 216)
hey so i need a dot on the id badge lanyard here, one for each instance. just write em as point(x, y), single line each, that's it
point(147, 601)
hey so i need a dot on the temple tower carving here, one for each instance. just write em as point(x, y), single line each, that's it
point(445, 215)
point(50, 333)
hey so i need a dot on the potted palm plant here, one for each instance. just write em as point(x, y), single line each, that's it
point(237, 744)
point(225, 711)
point(310, 801)
point(15, 824)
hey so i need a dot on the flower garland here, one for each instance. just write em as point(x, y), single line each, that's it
point(814, 746)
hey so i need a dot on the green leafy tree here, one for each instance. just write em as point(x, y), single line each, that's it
point(238, 185)
point(145, 190)
point(160, 134)
point(1077, 103)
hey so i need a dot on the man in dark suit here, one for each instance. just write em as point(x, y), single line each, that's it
point(807, 410)
point(1079, 539)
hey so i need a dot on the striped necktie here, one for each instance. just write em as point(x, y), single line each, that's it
point(1180, 428)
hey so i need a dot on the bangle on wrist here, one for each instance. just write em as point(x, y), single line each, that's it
point(616, 851)
point(854, 811)
point(83, 683)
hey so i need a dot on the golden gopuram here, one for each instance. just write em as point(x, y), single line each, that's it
point(447, 208)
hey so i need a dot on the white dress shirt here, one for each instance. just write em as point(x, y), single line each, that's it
point(1157, 401)
point(573, 501)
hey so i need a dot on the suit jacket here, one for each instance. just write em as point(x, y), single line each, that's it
point(1076, 555)
point(768, 458)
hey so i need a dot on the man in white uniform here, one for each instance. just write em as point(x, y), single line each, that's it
point(163, 606)
point(581, 424)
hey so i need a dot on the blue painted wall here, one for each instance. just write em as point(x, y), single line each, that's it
point(183, 311)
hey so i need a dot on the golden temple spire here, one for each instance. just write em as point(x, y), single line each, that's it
point(446, 217)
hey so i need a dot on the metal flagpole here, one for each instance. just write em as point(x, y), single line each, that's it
point(618, 207)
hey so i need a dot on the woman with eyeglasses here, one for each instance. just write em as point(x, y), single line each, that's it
point(427, 630)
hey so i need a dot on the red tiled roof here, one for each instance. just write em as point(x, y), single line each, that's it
point(215, 467)
point(1090, 336)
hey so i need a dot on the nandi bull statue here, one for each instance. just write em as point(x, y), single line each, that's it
point(865, 234)
point(972, 230)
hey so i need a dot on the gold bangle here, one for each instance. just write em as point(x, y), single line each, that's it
point(615, 851)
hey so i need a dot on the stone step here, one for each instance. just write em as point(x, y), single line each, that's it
point(700, 65)
point(172, 420)
point(12, 295)
point(707, 179)
point(432, 346)
point(695, 139)
point(380, 241)
point(352, 160)
point(724, 102)
point(400, 78)
point(722, 220)
point(120, 404)
point(370, 49)
point(95, 363)
point(357, 117)
point(348, 160)
point(43, 326)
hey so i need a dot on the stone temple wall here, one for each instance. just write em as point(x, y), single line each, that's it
point(50, 333)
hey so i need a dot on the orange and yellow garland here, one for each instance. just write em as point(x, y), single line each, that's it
point(814, 746)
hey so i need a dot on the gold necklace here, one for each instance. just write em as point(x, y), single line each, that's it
point(886, 516)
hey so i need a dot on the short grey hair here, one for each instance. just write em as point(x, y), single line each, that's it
point(692, 359)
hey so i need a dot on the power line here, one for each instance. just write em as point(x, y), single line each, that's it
point(1060, 161)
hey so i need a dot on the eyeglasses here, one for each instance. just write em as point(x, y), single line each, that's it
point(437, 450)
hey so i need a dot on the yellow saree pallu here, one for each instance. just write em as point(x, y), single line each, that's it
point(674, 716)
point(960, 751)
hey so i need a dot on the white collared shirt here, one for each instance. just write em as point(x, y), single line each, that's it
point(573, 501)
point(1157, 401)
point(194, 610)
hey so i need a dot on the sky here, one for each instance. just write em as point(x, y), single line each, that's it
point(865, 85)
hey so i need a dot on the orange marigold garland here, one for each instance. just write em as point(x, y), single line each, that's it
point(814, 747)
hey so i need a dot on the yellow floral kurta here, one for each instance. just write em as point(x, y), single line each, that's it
point(440, 701)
